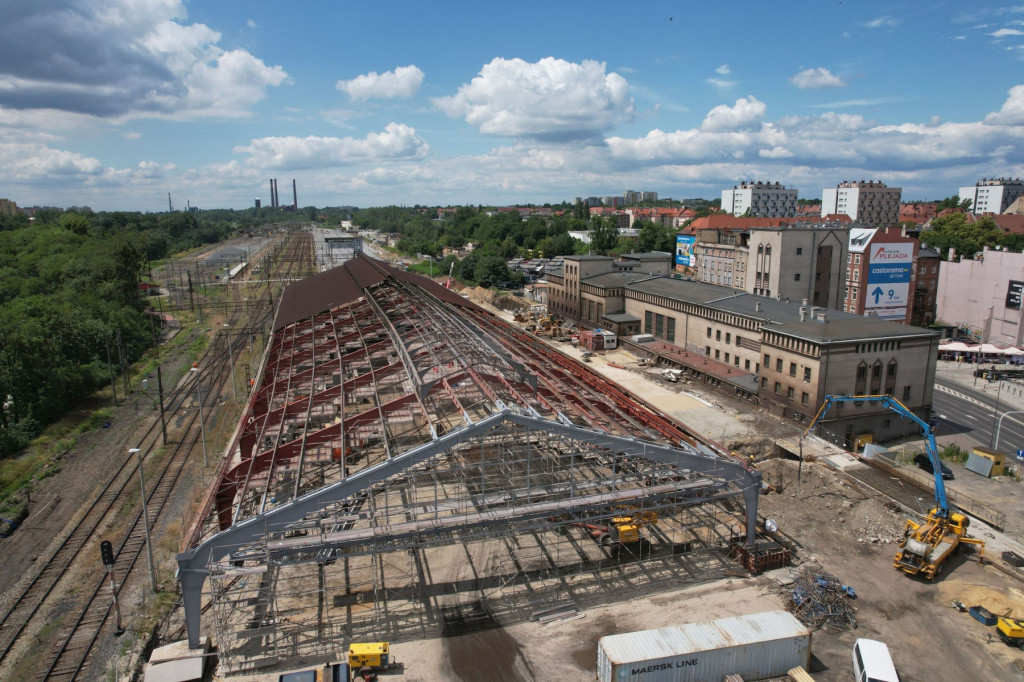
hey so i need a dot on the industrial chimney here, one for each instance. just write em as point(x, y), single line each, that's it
point(271, 192)
point(295, 196)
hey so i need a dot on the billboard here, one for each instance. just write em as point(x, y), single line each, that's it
point(888, 287)
point(684, 250)
point(1013, 294)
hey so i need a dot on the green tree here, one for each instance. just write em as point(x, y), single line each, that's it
point(491, 271)
point(956, 231)
point(655, 237)
point(604, 234)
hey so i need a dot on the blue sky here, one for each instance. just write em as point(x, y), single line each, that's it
point(115, 104)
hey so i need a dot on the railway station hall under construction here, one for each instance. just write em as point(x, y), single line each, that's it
point(410, 465)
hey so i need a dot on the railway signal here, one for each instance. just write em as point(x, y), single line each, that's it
point(107, 555)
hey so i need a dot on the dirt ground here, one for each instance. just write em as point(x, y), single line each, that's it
point(840, 529)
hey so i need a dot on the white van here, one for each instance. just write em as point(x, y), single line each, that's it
point(872, 663)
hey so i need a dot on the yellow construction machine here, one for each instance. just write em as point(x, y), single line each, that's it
point(926, 545)
point(624, 529)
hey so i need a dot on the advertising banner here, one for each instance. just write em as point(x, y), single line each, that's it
point(889, 271)
point(684, 250)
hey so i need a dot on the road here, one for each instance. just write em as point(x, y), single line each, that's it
point(971, 414)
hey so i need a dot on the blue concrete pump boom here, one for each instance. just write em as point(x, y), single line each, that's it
point(942, 506)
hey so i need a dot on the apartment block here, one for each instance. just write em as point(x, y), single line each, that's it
point(992, 195)
point(872, 203)
point(760, 200)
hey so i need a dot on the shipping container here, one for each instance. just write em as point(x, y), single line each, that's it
point(757, 646)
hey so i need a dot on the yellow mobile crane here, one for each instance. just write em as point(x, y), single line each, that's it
point(926, 545)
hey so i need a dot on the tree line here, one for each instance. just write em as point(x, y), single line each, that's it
point(499, 236)
point(70, 304)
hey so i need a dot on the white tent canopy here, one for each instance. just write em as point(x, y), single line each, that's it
point(957, 347)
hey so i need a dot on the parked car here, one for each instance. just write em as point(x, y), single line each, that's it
point(925, 462)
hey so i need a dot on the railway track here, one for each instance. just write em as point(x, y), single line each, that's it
point(69, 657)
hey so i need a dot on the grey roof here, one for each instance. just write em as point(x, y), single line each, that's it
point(684, 290)
point(853, 328)
point(619, 318)
point(615, 279)
point(646, 256)
point(780, 316)
point(588, 256)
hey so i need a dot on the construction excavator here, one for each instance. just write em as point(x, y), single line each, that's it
point(926, 545)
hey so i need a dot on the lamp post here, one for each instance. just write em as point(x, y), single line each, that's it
point(995, 410)
point(199, 402)
point(231, 360)
point(999, 426)
point(145, 520)
point(160, 403)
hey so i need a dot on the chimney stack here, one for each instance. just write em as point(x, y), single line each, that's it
point(803, 313)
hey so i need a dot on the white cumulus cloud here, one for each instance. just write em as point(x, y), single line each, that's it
point(1003, 32)
point(747, 112)
point(122, 59)
point(404, 81)
point(1012, 112)
point(396, 141)
point(723, 70)
point(551, 99)
point(816, 79)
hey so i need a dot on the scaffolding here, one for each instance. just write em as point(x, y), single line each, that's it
point(411, 466)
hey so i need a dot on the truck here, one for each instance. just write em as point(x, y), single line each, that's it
point(926, 544)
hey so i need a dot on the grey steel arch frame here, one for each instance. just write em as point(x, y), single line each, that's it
point(194, 564)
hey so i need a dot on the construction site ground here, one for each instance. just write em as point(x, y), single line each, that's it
point(841, 525)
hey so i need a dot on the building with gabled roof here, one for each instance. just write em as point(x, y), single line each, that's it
point(396, 429)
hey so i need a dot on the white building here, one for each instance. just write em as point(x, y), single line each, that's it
point(871, 203)
point(992, 195)
point(762, 199)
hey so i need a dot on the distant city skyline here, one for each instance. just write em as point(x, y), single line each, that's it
point(116, 105)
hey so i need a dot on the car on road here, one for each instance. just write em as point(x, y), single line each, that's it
point(924, 462)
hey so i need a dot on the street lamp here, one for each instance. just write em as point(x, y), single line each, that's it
point(227, 342)
point(999, 426)
point(160, 403)
point(199, 401)
point(145, 519)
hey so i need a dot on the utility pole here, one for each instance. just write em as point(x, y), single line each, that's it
point(145, 519)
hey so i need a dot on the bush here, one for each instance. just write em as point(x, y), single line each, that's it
point(17, 436)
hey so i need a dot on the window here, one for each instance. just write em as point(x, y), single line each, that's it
point(728, 337)
point(764, 382)
point(807, 374)
point(778, 364)
point(767, 360)
point(746, 365)
point(709, 332)
point(716, 353)
point(792, 369)
point(796, 277)
point(727, 358)
point(707, 351)
point(804, 398)
point(906, 392)
point(778, 388)
point(789, 392)
point(799, 250)
point(718, 335)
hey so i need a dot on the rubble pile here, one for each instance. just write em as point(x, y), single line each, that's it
point(821, 600)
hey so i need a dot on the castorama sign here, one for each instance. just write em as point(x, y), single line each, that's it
point(684, 250)
point(889, 271)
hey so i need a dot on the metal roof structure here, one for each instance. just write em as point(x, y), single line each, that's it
point(393, 415)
